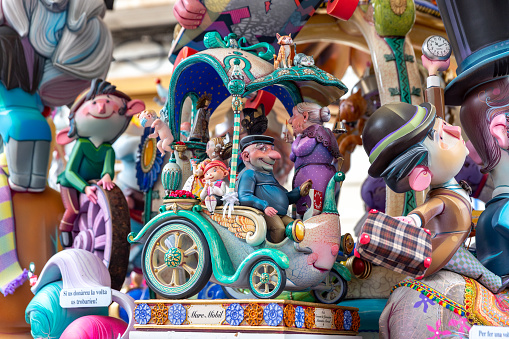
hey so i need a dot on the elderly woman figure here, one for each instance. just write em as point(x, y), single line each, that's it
point(314, 150)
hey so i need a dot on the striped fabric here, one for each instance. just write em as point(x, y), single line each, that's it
point(11, 274)
point(395, 245)
point(235, 150)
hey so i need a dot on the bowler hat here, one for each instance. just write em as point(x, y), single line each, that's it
point(392, 129)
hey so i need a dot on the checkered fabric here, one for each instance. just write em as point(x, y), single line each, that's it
point(395, 245)
point(464, 263)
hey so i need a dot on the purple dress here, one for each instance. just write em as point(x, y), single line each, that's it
point(314, 153)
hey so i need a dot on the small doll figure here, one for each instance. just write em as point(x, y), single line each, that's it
point(214, 173)
point(200, 126)
point(219, 149)
point(161, 130)
point(195, 182)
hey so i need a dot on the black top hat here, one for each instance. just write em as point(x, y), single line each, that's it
point(392, 129)
point(479, 34)
point(255, 139)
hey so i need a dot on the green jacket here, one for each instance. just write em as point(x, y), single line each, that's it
point(87, 162)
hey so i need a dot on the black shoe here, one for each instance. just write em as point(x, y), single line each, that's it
point(66, 239)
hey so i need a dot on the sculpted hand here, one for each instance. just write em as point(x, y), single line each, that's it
point(106, 182)
point(189, 13)
point(270, 211)
point(288, 137)
point(305, 187)
point(408, 220)
point(90, 192)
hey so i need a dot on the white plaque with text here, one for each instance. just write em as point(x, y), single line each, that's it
point(205, 314)
point(477, 332)
point(323, 318)
point(85, 297)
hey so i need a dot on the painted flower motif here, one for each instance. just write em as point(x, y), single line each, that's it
point(160, 313)
point(425, 301)
point(234, 314)
point(347, 320)
point(273, 314)
point(461, 323)
point(177, 314)
point(437, 334)
point(299, 317)
point(149, 162)
point(142, 314)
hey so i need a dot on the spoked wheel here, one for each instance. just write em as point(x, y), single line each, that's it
point(267, 280)
point(176, 260)
point(102, 229)
point(337, 291)
point(237, 293)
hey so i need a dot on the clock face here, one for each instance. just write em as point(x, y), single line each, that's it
point(438, 46)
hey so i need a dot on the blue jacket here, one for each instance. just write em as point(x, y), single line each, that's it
point(260, 190)
point(492, 235)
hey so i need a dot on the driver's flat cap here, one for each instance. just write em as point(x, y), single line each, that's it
point(255, 139)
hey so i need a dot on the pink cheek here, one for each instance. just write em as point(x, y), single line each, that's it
point(334, 250)
point(85, 111)
point(312, 258)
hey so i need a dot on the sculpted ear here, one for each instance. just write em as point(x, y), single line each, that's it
point(63, 138)
point(420, 178)
point(245, 156)
point(498, 130)
point(134, 107)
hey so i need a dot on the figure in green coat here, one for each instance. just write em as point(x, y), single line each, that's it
point(97, 118)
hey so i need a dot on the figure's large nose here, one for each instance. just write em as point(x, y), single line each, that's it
point(274, 155)
point(455, 131)
point(101, 107)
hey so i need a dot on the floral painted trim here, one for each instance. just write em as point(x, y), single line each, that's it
point(432, 294)
point(160, 313)
point(470, 296)
point(482, 306)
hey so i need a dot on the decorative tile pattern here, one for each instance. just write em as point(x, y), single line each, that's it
point(299, 317)
point(289, 315)
point(273, 314)
point(177, 314)
point(160, 314)
point(142, 314)
point(309, 317)
point(234, 314)
point(253, 314)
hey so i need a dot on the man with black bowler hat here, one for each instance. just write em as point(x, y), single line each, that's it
point(258, 188)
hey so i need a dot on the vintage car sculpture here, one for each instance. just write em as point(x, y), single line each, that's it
point(186, 245)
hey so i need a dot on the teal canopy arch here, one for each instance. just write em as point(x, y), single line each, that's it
point(203, 73)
